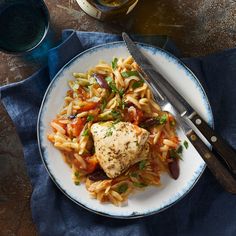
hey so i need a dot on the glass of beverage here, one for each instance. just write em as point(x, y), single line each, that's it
point(107, 9)
point(24, 25)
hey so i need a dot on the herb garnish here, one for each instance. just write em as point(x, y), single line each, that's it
point(122, 104)
point(186, 144)
point(90, 118)
point(138, 84)
point(86, 132)
point(180, 149)
point(122, 188)
point(127, 74)
point(114, 63)
point(76, 174)
point(113, 87)
point(109, 132)
point(109, 79)
point(104, 104)
point(174, 154)
point(115, 122)
point(163, 119)
point(115, 114)
point(139, 185)
point(134, 174)
point(111, 84)
point(142, 164)
point(121, 92)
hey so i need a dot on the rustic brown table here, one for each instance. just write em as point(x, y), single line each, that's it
point(198, 27)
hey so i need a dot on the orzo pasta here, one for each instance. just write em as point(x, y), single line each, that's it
point(114, 98)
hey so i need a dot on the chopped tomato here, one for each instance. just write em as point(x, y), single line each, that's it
point(160, 140)
point(155, 166)
point(135, 118)
point(138, 117)
point(77, 126)
point(171, 118)
point(174, 139)
point(88, 106)
point(77, 164)
point(82, 93)
point(70, 93)
point(92, 163)
point(126, 118)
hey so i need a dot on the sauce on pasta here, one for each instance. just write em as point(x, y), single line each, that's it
point(114, 93)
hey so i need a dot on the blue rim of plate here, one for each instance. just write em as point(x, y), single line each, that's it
point(153, 50)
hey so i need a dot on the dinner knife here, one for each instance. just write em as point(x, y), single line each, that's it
point(190, 121)
point(221, 173)
point(182, 106)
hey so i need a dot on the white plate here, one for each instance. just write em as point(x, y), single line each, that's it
point(153, 199)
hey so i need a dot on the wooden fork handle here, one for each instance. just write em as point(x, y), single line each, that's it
point(221, 173)
point(223, 149)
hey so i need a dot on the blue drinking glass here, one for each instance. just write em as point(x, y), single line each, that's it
point(24, 25)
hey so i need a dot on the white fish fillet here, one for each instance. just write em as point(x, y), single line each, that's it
point(118, 146)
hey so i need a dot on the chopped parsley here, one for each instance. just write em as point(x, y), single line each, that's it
point(112, 85)
point(115, 114)
point(173, 154)
point(115, 122)
point(122, 188)
point(127, 74)
point(86, 132)
point(121, 92)
point(114, 63)
point(109, 132)
point(90, 118)
point(139, 185)
point(134, 174)
point(142, 164)
point(104, 104)
point(180, 149)
point(122, 104)
point(137, 84)
point(163, 119)
point(109, 80)
point(186, 144)
point(77, 182)
point(76, 174)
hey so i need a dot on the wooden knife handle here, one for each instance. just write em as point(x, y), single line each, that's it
point(218, 143)
point(221, 173)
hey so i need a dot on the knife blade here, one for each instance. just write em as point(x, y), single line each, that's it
point(182, 107)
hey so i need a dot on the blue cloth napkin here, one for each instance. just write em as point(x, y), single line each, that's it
point(206, 210)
